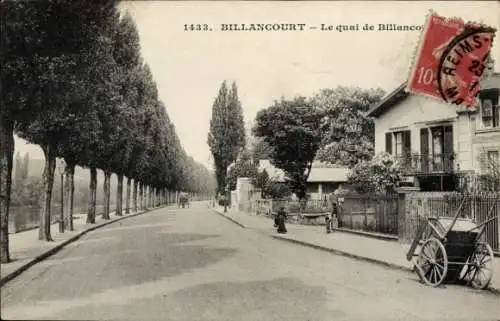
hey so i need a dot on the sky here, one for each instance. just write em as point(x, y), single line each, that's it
point(189, 66)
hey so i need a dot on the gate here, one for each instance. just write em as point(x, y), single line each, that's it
point(373, 213)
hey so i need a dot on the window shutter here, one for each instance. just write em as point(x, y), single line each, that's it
point(388, 143)
point(483, 162)
point(407, 142)
point(487, 108)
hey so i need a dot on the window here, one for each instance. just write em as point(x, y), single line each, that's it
point(398, 143)
point(490, 114)
point(492, 157)
point(388, 143)
point(402, 143)
point(398, 139)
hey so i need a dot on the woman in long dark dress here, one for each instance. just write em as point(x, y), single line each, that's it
point(281, 221)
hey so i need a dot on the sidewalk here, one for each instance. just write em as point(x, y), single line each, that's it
point(389, 253)
point(26, 250)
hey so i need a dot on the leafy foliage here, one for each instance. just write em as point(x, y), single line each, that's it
point(292, 130)
point(226, 136)
point(277, 190)
point(378, 175)
point(259, 148)
point(348, 135)
point(244, 167)
point(262, 181)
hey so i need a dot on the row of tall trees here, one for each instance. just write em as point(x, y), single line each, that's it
point(74, 83)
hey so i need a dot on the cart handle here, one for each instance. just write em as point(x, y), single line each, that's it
point(482, 224)
point(459, 210)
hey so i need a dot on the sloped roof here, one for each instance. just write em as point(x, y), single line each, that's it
point(399, 94)
point(318, 174)
point(390, 100)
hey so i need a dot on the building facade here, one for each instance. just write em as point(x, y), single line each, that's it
point(435, 140)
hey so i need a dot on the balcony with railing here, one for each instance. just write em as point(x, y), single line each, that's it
point(417, 164)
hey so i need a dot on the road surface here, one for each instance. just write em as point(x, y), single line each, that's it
point(192, 264)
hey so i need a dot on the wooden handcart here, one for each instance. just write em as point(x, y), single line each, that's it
point(453, 251)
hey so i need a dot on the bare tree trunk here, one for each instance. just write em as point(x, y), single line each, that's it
point(134, 198)
point(127, 200)
point(107, 192)
point(148, 197)
point(141, 194)
point(152, 196)
point(119, 195)
point(46, 200)
point(69, 192)
point(6, 158)
point(93, 194)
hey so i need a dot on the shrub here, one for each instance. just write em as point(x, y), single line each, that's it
point(278, 190)
point(378, 175)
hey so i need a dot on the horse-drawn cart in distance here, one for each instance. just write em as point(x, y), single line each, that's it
point(183, 200)
point(453, 251)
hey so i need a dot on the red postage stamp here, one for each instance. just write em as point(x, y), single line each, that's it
point(450, 60)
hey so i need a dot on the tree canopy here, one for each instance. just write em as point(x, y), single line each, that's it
point(292, 130)
point(226, 137)
point(348, 134)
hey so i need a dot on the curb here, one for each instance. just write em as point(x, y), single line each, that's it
point(229, 218)
point(343, 253)
point(368, 234)
point(59, 247)
point(358, 257)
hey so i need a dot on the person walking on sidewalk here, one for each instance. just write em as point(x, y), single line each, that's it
point(281, 217)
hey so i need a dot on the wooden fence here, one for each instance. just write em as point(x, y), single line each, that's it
point(478, 207)
point(371, 213)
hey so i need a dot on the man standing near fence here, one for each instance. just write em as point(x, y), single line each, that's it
point(336, 198)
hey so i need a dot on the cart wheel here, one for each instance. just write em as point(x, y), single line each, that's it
point(480, 272)
point(432, 262)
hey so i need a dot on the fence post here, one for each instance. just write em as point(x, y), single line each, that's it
point(401, 204)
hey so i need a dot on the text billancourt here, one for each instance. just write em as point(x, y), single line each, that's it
point(323, 27)
point(263, 27)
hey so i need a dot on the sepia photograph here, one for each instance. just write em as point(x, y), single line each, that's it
point(250, 160)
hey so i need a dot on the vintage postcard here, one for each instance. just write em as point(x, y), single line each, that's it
point(250, 160)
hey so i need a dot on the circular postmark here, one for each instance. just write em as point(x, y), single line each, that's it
point(463, 64)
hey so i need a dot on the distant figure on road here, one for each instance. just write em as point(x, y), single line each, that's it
point(281, 217)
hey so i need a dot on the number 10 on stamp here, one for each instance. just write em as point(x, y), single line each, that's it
point(438, 32)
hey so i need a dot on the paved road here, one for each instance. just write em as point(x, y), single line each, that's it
point(193, 265)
